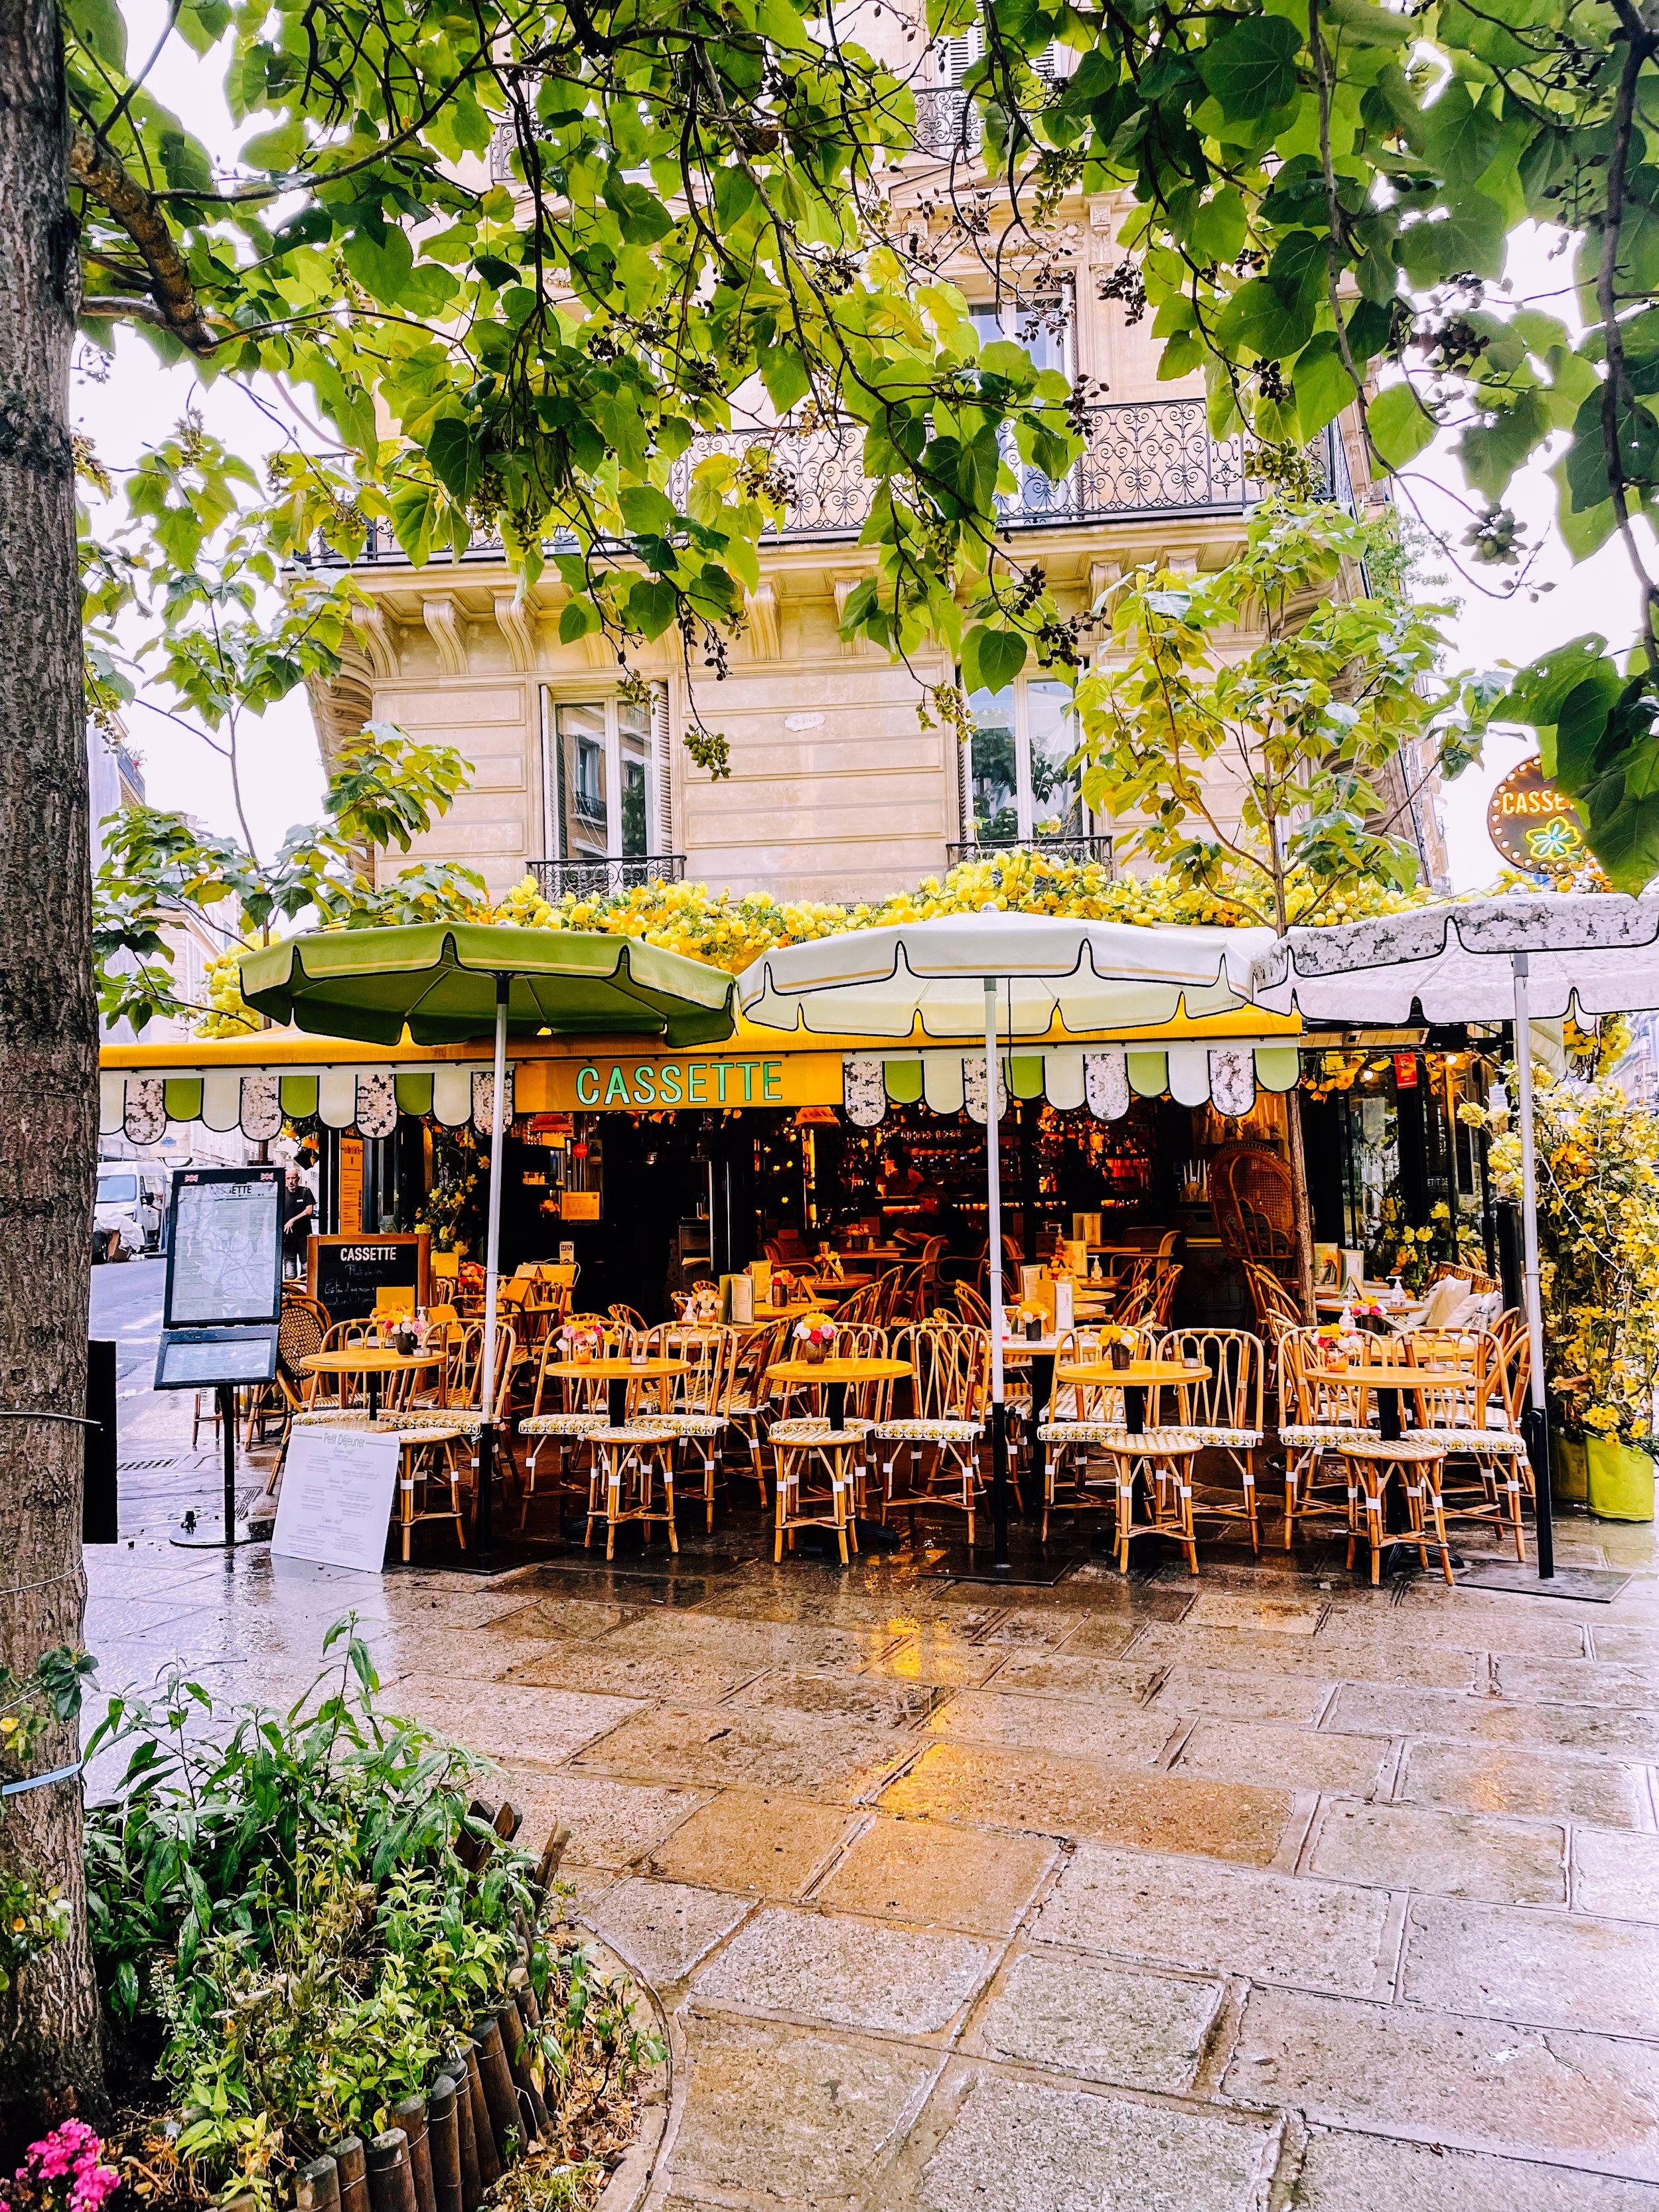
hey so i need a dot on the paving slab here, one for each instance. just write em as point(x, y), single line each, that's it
point(754, 1839)
point(507, 1722)
point(1185, 1911)
point(591, 1666)
point(1104, 1636)
point(883, 1701)
point(1243, 1696)
point(1616, 1874)
point(936, 1877)
point(989, 1787)
point(837, 1760)
point(1283, 1616)
point(1262, 1656)
point(1293, 1759)
point(747, 1646)
point(663, 1928)
point(934, 1657)
point(1016, 2147)
point(1068, 1674)
point(1480, 2084)
point(1368, 1707)
point(1635, 1646)
point(850, 1973)
point(800, 2115)
point(1570, 1681)
point(1136, 2029)
point(1071, 1727)
point(1357, 2173)
point(1549, 1969)
point(1543, 1783)
point(1455, 1854)
point(611, 1823)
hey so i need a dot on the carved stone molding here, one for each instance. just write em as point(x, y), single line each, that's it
point(762, 606)
point(444, 620)
point(379, 640)
point(515, 618)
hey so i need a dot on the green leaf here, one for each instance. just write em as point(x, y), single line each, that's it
point(1460, 138)
point(1220, 226)
point(991, 657)
point(1259, 317)
point(640, 215)
point(451, 448)
point(1471, 240)
point(1322, 384)
point(99, 25)
point(380, 262)
point(647, 512)
point(652, 604)
point(1251, 69)
point(783, 372)
point(1399, 427)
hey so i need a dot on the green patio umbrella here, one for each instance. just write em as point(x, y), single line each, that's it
point(447, 982)
point(440, 979)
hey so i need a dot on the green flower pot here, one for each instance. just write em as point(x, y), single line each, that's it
point(1621, 1480)
point(1569, 1471)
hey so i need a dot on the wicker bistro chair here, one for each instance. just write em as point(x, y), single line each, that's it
point(1318, 1412)
point(1414, 1462)
point(627, 1465)
point(1225, 1409)
point(691, 1411)
point(426, 1463)
point(1149, 1301)
point(462, 1410)
point(820, 1473)
point(939, 1438)
point(1082, 1418)
point(565, 1412)
point(1485, 1469)
point(746, 1398)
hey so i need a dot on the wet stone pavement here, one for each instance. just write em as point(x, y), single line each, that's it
point(1260, 1891)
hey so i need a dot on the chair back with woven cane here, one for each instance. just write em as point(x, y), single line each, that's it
point(751, 1352)
point(1482, 1284)
point(1227, 1394)
point(627, 1317)
point(301, 1330)
point(343, 1389)
point(1252, 1195)
point(1100, 1399)
point(694, 1389)
point(909, 1296)
point(972, 1308)
point(564, 1393)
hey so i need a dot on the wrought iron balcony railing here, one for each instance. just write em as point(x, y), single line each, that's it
point(601, 877)
point(1141, 459)
point(1076, 850)
point(947, 122)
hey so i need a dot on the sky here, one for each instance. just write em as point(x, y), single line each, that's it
point(140, 401)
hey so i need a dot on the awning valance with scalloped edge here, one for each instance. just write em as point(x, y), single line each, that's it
point(139, 1102)
point(1103, 1077)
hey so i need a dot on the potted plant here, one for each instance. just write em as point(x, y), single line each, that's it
point(815, 1333)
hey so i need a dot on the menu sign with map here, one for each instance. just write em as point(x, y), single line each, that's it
point(225, 1248)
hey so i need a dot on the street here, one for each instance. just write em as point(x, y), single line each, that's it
point(127, 1304)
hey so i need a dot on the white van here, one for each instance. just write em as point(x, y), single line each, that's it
point(130, 1213)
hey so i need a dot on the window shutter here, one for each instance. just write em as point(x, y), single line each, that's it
point(662, 779)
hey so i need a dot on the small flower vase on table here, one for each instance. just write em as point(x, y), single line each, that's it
point(812, 1353)
point(1118, 1354)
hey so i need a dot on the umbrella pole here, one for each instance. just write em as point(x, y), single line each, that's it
point(1538, 1431)
point(994, 1285)
point(483, 1518)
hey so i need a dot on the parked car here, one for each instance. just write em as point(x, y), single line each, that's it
point(130, 1213)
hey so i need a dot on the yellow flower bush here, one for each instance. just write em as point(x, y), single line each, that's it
point(729, 930)
point(1598, 1223)
point(231, 1016)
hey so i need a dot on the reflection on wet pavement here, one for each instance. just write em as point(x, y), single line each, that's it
point(1263, 1892)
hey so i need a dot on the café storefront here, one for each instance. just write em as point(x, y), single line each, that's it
point(655, 1168)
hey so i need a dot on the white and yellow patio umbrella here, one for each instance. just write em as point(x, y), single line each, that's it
point(1006, 978)
point(1514, 958)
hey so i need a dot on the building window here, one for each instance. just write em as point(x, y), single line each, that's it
point(604, 778)
point(1023, 736)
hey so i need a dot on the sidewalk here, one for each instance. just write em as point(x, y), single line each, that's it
point(1226, 1896)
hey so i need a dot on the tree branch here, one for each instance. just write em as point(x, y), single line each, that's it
point(173, 305)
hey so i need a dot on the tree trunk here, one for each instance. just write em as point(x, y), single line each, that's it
point(50, 2060)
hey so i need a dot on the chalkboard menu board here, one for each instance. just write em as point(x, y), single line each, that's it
point(345, 1271)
